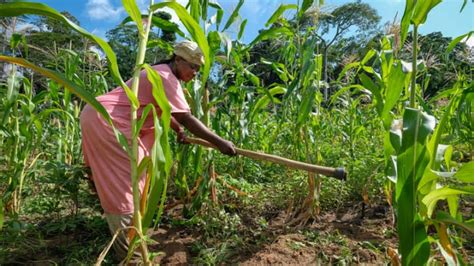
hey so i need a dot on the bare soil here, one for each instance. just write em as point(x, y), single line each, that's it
point(345, 234)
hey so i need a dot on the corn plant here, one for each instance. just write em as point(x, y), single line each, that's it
point(19, 124)
point(412, 149)
point(209, 39)
point(159, 162)
point(52, 122)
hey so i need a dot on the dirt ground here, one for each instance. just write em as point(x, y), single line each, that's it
point(354, 234)
point(334, 236)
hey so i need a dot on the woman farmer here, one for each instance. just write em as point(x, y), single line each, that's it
point(110, 164)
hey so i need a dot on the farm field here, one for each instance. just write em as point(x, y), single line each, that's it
point(383, 113)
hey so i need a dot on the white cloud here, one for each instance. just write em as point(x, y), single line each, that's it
point(23, 27)
point(103, 10)
point(469, 42)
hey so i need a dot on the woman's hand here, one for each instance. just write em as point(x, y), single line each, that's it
point(197, 128)
point(227, 147)
point(181, 136)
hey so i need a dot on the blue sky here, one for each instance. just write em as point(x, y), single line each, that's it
point(99, 16)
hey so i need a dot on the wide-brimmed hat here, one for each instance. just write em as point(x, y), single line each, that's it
point(189, 51)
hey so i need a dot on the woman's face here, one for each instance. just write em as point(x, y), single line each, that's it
point(186, 70)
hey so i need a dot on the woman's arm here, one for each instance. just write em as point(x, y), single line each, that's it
point(180, 136)
point(200, 130)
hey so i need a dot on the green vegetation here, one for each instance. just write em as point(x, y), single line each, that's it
point(393, 107)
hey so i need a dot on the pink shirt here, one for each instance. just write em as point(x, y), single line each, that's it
point(109, 163)
point(118, 105)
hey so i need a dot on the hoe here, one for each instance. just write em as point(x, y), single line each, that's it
point(338, 173)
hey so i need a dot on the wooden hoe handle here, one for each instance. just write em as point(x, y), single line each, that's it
point(338, 173)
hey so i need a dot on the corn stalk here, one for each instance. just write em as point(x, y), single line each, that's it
point(161, 164)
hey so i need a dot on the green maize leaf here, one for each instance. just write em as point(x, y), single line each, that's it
point(371, 53)
point(412, 161)
point(306, 105)
point(214, 40)
point(293, 85)
point(434, 196)
point(305, 5)
point(281, 9)
point(24, 8)
point(396, 139)
point(219, 16)
point(421, 249)
point(44, 116)
point(161, 152)
point(318, 62)
point(263, 101)
point(195, 9)
point(466, 173)
point(422, 8)
point(15, 40)
point(308, 62)
point(227, 43)
point(370, 85)
point(391, 169)
point(59, 78)
point(445, 94)
point(254, 79)
point(343, 90)
point(242, 29)
point(163, 45)
point(132, 9)
point(387, 64)
point(157, 175)
point(453, 205)
point(214, 4)
point(160, 97)
point(204, 6)
point(269, 34)
point(434, 140)
point(428, 182)
point(83, 94)
point(463, 6)
point(394, 88)
point(160, 23)
point(144, 164)
point(142, 120)
point(405, 24)
point(447, 157)
point(444, 217)
point(439, 156)
point(281, 71)
point(194, 29)
point(13, 85)
point(457, 40)
point(347, 68)
point(234, 15)
point(370, 70)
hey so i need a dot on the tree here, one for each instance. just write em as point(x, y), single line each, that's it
point(49, 37)
point(357, 21)
point(342, 33)
point(441, 70)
